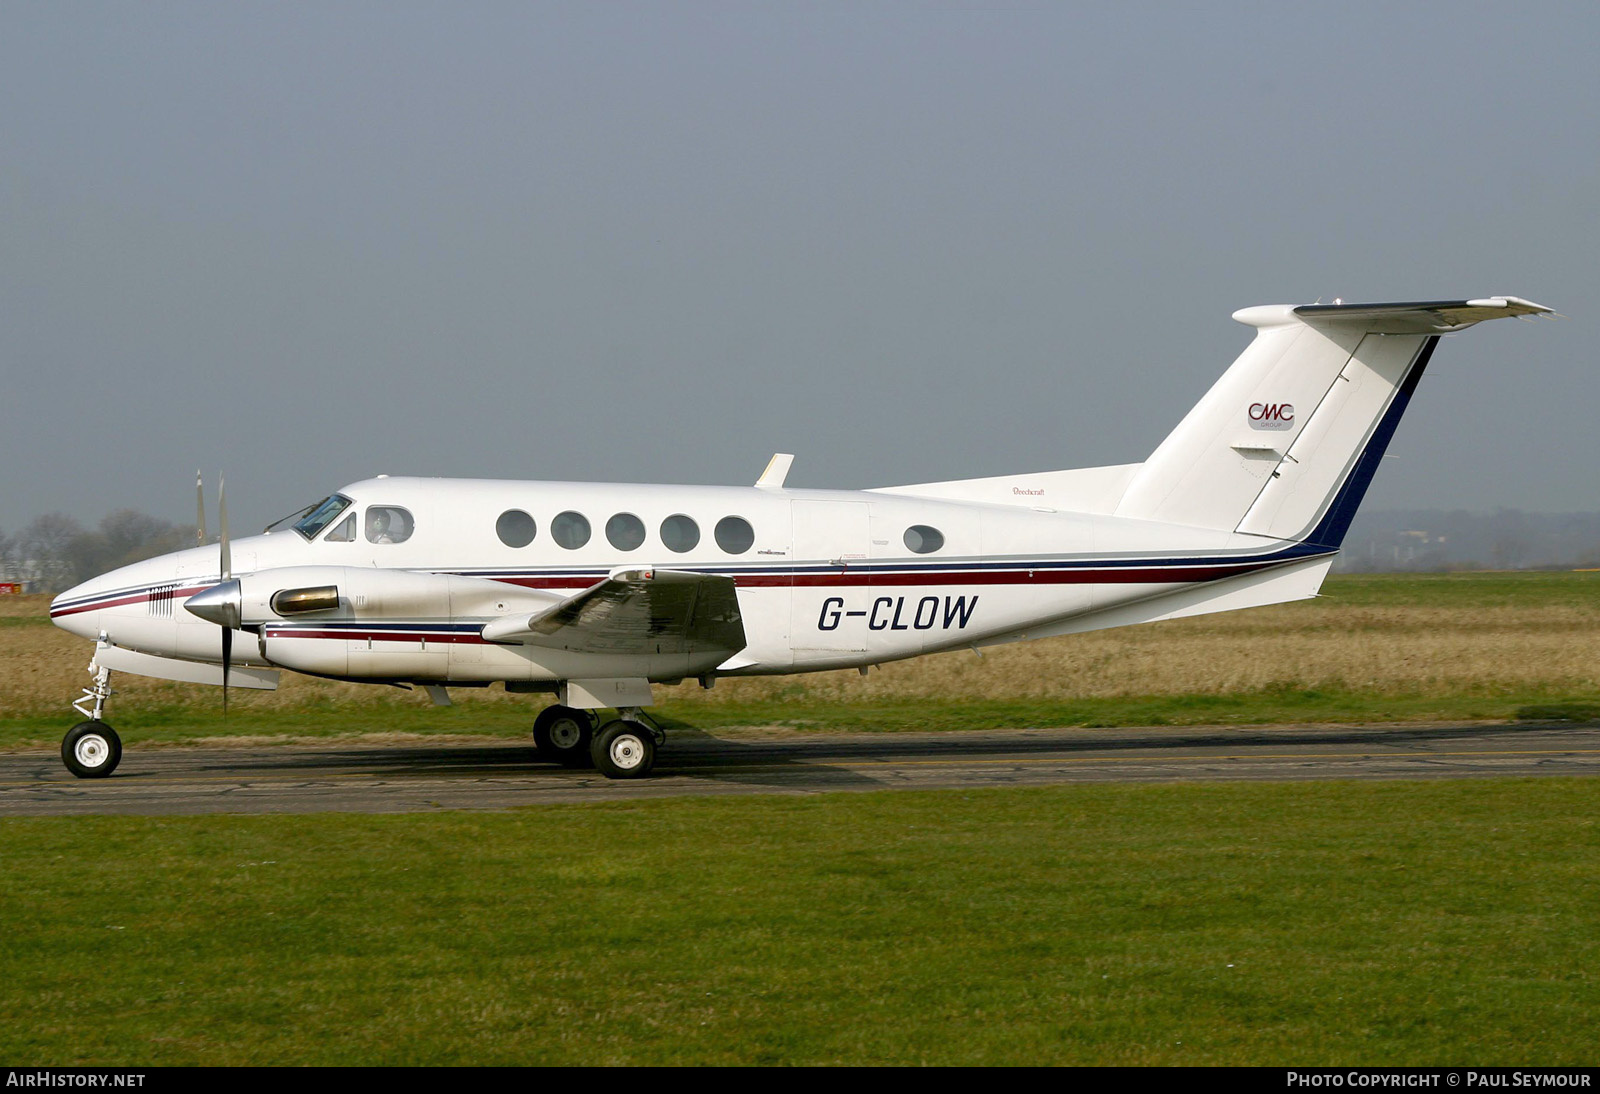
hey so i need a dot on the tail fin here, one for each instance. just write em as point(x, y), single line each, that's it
point(1286, 442)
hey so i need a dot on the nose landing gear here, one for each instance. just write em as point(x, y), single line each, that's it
point(91, 749)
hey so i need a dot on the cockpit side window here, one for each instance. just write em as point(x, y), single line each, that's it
point(388, 524)
point(322, 516)
point(345, 533)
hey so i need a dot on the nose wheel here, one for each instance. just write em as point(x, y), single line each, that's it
point(91, 750)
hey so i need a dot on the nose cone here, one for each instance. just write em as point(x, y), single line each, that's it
point(218, 604)
point(77, 610)
point(133, 595)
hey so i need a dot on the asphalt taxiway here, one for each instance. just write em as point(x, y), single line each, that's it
point(377, 778)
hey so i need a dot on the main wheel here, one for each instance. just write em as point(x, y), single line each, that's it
point(91, 750)
point(562, 734)
point(623, 750)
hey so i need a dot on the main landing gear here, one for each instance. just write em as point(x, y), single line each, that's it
point(563, 734)
point(91, 749)
point(623, 748)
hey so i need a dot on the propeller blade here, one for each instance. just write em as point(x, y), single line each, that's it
point(222, 517)
point(227, 661)
point(227, 576)
point(220, 604)
point(200, 510)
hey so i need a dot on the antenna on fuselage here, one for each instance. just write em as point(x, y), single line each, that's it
point(200, 509)
point(777, 470)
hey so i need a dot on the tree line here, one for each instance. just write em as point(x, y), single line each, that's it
point(57, 552)
point(1399, 540)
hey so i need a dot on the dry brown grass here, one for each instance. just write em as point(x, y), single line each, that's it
point(1411, 650)
point(43, 668)
point(1328, 643)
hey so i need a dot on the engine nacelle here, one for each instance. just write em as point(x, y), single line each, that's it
point(361, 622)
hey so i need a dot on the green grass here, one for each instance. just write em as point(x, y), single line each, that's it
point(24, 621)
point(1467, 590)
point(179, 724)
point(1326, 923)
point(1282, 705)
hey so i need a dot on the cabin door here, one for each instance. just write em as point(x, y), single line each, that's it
point(830, 537)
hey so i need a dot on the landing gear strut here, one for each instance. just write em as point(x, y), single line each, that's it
point(91, 749)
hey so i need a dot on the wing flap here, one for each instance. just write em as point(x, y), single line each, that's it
point(636, 612)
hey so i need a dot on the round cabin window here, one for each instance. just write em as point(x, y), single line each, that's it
point(625, 532)
point(680, 533)
point(734, 535)
point(516, 528)
point(570, 530)
point(923, 540)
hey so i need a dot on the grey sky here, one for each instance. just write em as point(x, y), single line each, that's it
point(306, 244)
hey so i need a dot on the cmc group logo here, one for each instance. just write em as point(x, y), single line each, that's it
point(1271, 415)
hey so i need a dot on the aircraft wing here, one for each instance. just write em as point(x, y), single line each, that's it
point(635, 611)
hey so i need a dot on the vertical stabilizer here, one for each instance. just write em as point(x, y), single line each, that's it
point(1286, 442)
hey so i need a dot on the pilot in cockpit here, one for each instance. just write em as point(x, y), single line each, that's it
point(378, 526)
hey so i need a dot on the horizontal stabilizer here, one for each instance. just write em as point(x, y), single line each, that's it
point(1423, 317)
point(1276, 585)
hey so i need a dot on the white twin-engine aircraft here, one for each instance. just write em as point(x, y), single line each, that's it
point(597, 591)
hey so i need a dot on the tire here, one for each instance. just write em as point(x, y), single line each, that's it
point(623, 750)
point(91, 750)
point(562, 734)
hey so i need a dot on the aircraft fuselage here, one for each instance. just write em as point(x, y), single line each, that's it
point(825, 578)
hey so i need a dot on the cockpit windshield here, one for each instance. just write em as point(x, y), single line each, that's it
point(322, 515)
